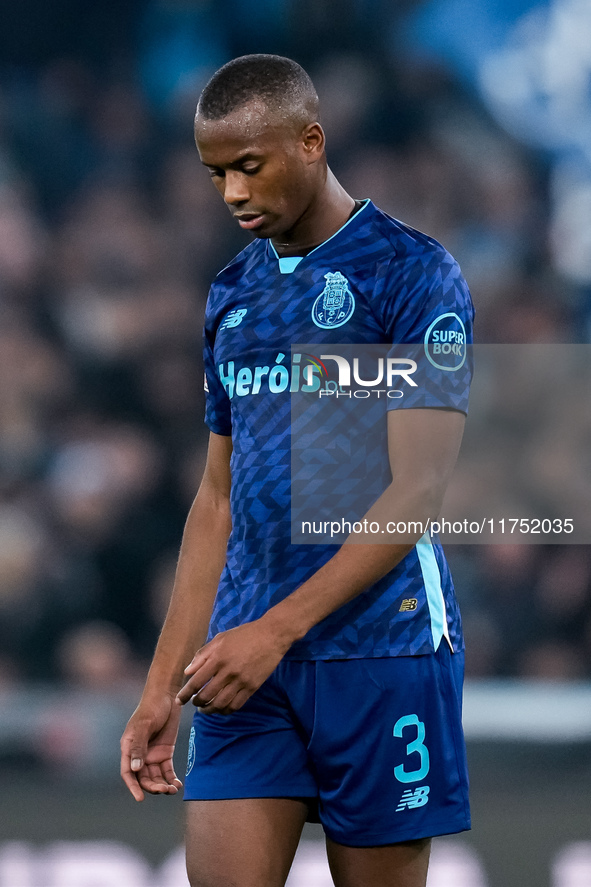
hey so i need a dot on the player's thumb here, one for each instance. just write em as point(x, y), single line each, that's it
point(137, 755)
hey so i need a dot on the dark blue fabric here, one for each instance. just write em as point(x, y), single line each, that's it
point(326, 731)
point(374, 283)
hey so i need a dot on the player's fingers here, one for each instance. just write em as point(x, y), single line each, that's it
point(137, 754)
point(170, 775)
point(167, 778)
point(236, 702)
point(197, 661)
point(130, 779)
point(134, 746)
point(219, 702)
point(241, 697)
point(154, 786)
point(201, 682)
point(152, 781)
point(207, 694)
point(158, 778)
point(154, 772)
point(196, 681)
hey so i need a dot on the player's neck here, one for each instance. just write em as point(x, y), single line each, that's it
point(328, 212)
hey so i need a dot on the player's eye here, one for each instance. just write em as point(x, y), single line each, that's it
point(251, 168)
point(215, 173)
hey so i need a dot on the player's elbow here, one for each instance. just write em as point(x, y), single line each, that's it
point(211, 509)
point(423, 494)
point(429, 499)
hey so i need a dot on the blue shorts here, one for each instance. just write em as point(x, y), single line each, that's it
point(376, 744)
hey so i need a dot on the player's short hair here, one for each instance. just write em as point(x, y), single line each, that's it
point(279, 82)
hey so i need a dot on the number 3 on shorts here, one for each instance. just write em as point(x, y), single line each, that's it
point(417, 745)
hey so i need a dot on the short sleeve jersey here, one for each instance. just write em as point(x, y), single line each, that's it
point(376, 281)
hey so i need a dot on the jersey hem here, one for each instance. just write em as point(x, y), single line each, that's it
point(324, 655)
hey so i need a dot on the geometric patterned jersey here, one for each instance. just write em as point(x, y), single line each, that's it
point(279, 336)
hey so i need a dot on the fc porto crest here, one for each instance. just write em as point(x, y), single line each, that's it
point(335, 304)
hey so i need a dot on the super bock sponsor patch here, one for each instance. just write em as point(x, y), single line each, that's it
point(445, 342)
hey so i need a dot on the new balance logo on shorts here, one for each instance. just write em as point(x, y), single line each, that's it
point(411, 799)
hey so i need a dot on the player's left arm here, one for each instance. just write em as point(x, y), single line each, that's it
point(423, 447)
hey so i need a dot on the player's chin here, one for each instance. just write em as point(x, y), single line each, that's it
point(269, 227)
point(272, 226)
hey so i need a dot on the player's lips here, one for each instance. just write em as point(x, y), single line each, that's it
point(249, 220)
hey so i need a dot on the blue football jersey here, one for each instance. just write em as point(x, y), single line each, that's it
point(374, 283)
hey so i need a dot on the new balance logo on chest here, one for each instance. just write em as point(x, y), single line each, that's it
point(233, 318)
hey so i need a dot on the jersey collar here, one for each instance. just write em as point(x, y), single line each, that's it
point(288, 264)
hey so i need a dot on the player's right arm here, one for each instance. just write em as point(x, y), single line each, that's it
point(148, 741)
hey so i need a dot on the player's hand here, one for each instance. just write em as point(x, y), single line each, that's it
point(147, 746)
point(226, 672)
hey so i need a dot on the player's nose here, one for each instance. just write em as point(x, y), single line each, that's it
point(236, 190)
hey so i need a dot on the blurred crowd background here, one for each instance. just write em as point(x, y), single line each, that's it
point(469, 121)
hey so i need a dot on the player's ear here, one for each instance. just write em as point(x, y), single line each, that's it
point(313, 141)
